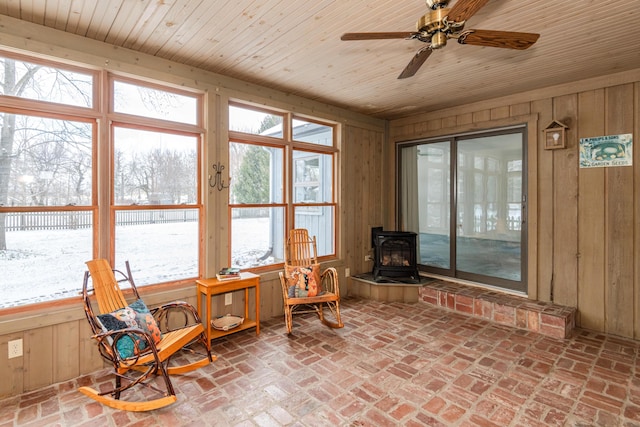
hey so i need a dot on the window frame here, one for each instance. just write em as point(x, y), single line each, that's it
point(49, 106)
point(149, 121)
point(102, 118)
point(455, 201)
point(289, 146)
point(17, 105)
point(129, 121)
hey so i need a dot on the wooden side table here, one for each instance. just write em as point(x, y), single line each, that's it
point(213, 286)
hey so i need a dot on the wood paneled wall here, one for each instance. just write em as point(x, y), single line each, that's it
point(584, 227)
point(363, 198)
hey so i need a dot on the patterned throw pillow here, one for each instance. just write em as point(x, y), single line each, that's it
point(136, 315)
point(303, 281)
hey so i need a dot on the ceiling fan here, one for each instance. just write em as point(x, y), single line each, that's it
point(443, 23)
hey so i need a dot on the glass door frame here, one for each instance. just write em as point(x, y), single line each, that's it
point(452, 271)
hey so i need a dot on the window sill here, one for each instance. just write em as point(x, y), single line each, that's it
point(39, 315)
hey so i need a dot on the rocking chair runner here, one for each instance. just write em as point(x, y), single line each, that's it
point(301, 264)
point(140, 351)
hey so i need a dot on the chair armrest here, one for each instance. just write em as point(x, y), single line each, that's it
point(107, 343)
point(329, 279)
point(175, 315)
point(115, 333)
point(283, 285)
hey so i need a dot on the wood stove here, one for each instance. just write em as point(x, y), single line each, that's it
point(394, 255)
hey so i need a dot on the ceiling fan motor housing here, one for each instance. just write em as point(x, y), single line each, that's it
point(434, 27)
point(432, 21)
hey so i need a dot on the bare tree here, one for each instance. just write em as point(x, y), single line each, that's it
point(28, 149)
point(11, 85)
point(163, 176)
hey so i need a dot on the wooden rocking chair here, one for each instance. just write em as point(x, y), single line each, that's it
point(301, 265)
point(140, 351)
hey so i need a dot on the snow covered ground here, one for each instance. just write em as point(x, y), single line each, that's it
point(47, 265)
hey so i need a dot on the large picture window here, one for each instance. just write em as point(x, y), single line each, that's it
point(156, 201)
point(155, 185)
point(283, 171)
point(55, 173)
point(46, 214)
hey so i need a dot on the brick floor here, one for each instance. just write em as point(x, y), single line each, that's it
point(393, 364)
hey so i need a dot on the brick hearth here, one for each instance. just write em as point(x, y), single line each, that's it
point(546, 318)
point(537, 316)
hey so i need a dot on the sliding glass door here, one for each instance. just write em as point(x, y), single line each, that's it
point(481, 180)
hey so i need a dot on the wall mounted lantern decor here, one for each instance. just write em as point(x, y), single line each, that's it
point(555, 135)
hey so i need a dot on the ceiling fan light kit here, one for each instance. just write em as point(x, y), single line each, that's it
point(434, 4)
point(442, 23)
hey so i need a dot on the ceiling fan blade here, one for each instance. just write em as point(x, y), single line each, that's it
point(416, 62)
point(505, 39)
point(378, 36)
point(465, 9)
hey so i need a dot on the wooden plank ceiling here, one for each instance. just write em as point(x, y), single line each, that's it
point(294, 45)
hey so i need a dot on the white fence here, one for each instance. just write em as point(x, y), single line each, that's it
point(71, 220)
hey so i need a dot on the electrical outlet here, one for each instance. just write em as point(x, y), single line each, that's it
point(347, 272)
point(368, 258)
point(15, 348)
point(228, 298)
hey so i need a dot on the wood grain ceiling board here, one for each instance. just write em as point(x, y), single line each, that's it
point(294, 45)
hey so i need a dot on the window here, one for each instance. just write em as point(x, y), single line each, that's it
point(306, 178)
point(131, 98)
point(255, 122)
point(315, 133)
point(278, 183)
point(464, 196)
point(156, 203)
point(155, 185)
point(54, 179)
point(46, 180)
point(29, 79)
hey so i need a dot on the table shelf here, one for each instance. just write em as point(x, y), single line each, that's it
point(213, 286)
point(247, 324)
